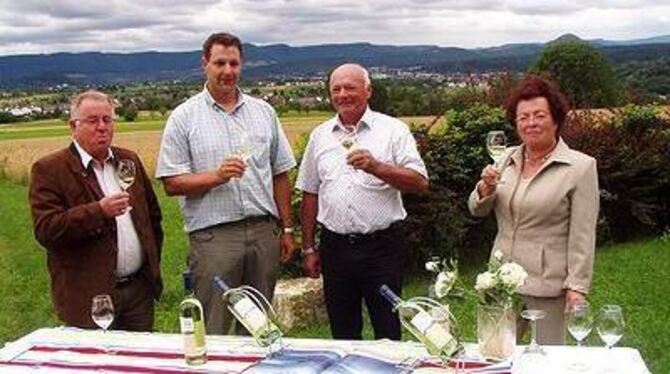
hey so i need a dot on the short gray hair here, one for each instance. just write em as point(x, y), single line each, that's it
point(366, 75)
point(96, 95)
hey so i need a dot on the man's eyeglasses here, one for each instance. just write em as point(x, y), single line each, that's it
point(540, 116)
point(92, 121)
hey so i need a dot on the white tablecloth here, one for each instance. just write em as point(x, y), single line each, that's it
point(70, 350)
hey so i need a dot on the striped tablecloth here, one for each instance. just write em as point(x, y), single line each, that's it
point(71, 350)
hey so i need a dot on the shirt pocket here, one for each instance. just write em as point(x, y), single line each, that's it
point(260, 148)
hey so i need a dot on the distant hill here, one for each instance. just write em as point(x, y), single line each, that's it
point(281, 60)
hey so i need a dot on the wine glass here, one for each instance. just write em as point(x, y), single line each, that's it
point(533, 315)
point(125, 175)
point(580, 323)
point(610, 324)
point(496, 144)
point(610, 327)
point(245, 150)
point(102, 311)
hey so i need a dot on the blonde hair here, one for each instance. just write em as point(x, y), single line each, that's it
point(96, 95)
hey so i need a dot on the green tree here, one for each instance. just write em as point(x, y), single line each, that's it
point(582, 73)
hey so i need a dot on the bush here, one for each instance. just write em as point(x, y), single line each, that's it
point(632, 146)
point(439, 222)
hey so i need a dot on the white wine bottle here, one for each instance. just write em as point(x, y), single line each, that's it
point(192, 324)
point(246, 308)
point(437, 339)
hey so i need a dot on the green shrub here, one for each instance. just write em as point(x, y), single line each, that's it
point(632, 147)
point(439, 222)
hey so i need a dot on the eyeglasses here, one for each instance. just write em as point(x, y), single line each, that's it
point(539, 116)
point(92, 121)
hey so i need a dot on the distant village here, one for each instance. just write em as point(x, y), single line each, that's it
point(285, 93)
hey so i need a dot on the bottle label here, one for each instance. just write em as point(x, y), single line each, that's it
point(252, 315)
point(422, 321)
point(432, 330)
point(187, 325)
point(438, 336)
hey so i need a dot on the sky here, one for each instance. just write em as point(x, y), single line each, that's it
point(48, 26)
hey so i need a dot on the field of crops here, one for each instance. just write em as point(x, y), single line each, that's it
point(22, 144)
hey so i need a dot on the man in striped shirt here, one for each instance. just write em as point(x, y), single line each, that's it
point(226, 155)
point(352, 174)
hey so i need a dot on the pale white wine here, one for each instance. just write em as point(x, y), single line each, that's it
point(249, 314)
point(192, 325)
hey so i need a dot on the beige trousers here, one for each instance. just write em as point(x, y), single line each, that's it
point(241, 253)
point(550, 329)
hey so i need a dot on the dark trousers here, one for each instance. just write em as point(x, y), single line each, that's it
point(134, 304)
point(354, 267)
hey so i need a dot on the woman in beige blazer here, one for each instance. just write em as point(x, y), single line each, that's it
point(546, 208)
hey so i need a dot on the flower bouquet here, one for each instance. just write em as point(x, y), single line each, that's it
point(498, 300)
point(496, 291)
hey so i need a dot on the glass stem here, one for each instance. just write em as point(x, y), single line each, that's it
point(533, 333)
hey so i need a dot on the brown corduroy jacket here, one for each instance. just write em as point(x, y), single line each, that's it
point(80, 241)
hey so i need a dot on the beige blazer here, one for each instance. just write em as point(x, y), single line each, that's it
point(552, 233)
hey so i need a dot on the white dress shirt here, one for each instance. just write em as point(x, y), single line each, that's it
point(353, 201)
point(129, 254)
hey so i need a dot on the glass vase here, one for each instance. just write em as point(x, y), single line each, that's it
point(496, 330)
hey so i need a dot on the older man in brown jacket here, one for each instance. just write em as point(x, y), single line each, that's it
point(99, 238)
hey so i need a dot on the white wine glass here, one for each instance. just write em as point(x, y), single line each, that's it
point(533, 315)
point(245, 150)
point(610, 326)
point(496, 145)
point(580, 324)
point(102, 311)
point(125, 175)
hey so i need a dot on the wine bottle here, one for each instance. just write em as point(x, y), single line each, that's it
point(240, 301)
point(437, 339)
point(192, 324)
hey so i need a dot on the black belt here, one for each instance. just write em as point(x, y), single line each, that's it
point(125, 280)
point(356, 238)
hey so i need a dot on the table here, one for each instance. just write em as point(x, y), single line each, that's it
point(71, 350)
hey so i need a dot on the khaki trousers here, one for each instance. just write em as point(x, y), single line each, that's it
point(242, 253)
point(550, 329)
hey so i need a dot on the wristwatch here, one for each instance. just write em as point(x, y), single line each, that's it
point(287, 230)
point(308, 251)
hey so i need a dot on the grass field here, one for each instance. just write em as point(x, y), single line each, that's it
point(634, 275)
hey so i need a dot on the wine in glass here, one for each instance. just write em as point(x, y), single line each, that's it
point(125, 175)
point(533, 315)
point(580, 323)
point(245, 150)
point(496, 145)
point(610, 324)
point(102, 311)
point(610, 327)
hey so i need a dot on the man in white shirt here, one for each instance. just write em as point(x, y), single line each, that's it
point(352, 174)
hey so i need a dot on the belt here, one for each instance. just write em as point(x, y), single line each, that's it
point(357, 238)
point(125, 280)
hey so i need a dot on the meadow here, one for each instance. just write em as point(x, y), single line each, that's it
point(634, 275)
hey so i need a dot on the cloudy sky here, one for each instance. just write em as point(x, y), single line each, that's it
point(46, 26)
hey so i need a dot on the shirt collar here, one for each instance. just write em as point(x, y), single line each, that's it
point(86, 158)
point(209, 99)
point(366, 120)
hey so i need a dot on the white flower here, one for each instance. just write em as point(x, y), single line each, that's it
point(444, 282)
point(512, 275)
point(498, 255)
point(485, 281)
point(433, 266)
